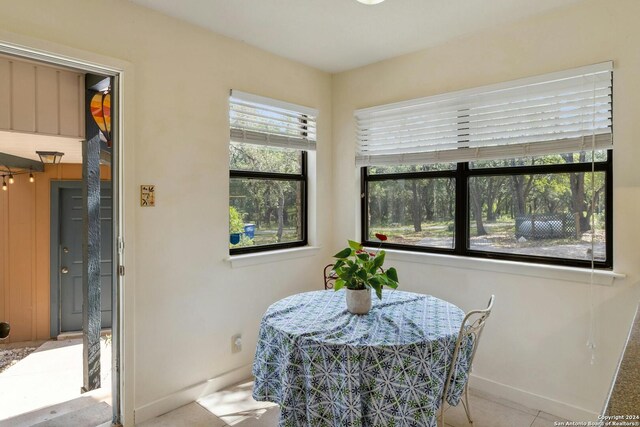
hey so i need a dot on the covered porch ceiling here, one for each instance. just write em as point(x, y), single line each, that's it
point(25, 145)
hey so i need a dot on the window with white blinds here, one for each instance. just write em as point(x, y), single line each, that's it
point(563, 112)
point(265, 121)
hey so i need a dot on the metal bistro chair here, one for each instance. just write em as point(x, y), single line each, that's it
point(472, 326)
point(329, 277)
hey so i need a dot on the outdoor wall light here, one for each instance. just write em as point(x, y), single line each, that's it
point(31, 177)
point(11, 180)
point(50, 157)
point(4, 184)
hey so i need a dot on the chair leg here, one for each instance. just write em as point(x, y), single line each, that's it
point(465, 403)
point(442, 415)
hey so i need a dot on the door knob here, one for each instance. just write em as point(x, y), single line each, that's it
point(64, 270)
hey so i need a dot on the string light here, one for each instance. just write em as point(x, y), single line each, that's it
point(8, 177)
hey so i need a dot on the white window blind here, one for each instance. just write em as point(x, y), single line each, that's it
point(561, 112)
point(264, 121)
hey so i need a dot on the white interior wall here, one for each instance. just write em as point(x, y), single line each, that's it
point(186, 301)
point(534, 346)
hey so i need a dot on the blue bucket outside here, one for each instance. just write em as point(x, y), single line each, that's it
point(250, 230)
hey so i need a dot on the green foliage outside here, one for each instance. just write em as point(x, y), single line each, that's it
point(272, 205)
point(422, 211)
point(236, 224)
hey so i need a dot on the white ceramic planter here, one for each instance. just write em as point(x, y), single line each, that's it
point(359, 301)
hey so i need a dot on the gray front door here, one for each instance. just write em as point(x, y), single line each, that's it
point(70, 250)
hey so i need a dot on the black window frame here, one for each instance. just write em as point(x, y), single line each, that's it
point(302, 178)
point(461, 175)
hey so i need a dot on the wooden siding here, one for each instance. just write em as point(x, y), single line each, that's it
point(40, 99)
point(25, 216)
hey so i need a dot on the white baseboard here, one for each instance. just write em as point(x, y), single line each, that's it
point(532, 400)
point(190, 394)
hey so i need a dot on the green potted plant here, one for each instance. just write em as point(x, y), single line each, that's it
point(236, 226)
point(5, 328)
point(359, 271)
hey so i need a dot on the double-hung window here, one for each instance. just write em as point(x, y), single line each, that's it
point(270, 140)
point(519, 171)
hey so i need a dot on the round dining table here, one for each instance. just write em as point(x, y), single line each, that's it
point(327, 367)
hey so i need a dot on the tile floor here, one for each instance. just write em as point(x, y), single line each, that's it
point(235, 407)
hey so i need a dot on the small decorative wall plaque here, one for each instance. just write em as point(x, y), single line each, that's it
point(147, 195)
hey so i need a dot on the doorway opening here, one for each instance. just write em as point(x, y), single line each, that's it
point(60, 239)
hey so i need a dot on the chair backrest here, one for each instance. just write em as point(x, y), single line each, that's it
point(471, 327)
point(329, 277)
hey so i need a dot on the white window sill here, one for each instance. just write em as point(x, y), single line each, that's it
point(572, 274)
point(271, 256)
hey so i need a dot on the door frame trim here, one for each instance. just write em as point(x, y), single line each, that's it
point(55, 306)
point(123, 367)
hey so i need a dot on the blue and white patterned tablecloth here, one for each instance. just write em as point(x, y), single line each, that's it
point(327, 367)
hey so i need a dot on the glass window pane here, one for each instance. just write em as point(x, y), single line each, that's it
point(264, 212)
point(550, 159)
point(414, 211)
point(546, 215)
point(379, 170)
point(249, 157)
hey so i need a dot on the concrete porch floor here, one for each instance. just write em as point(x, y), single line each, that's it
point(48, 377)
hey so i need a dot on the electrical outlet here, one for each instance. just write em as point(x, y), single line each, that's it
point(236, 343)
